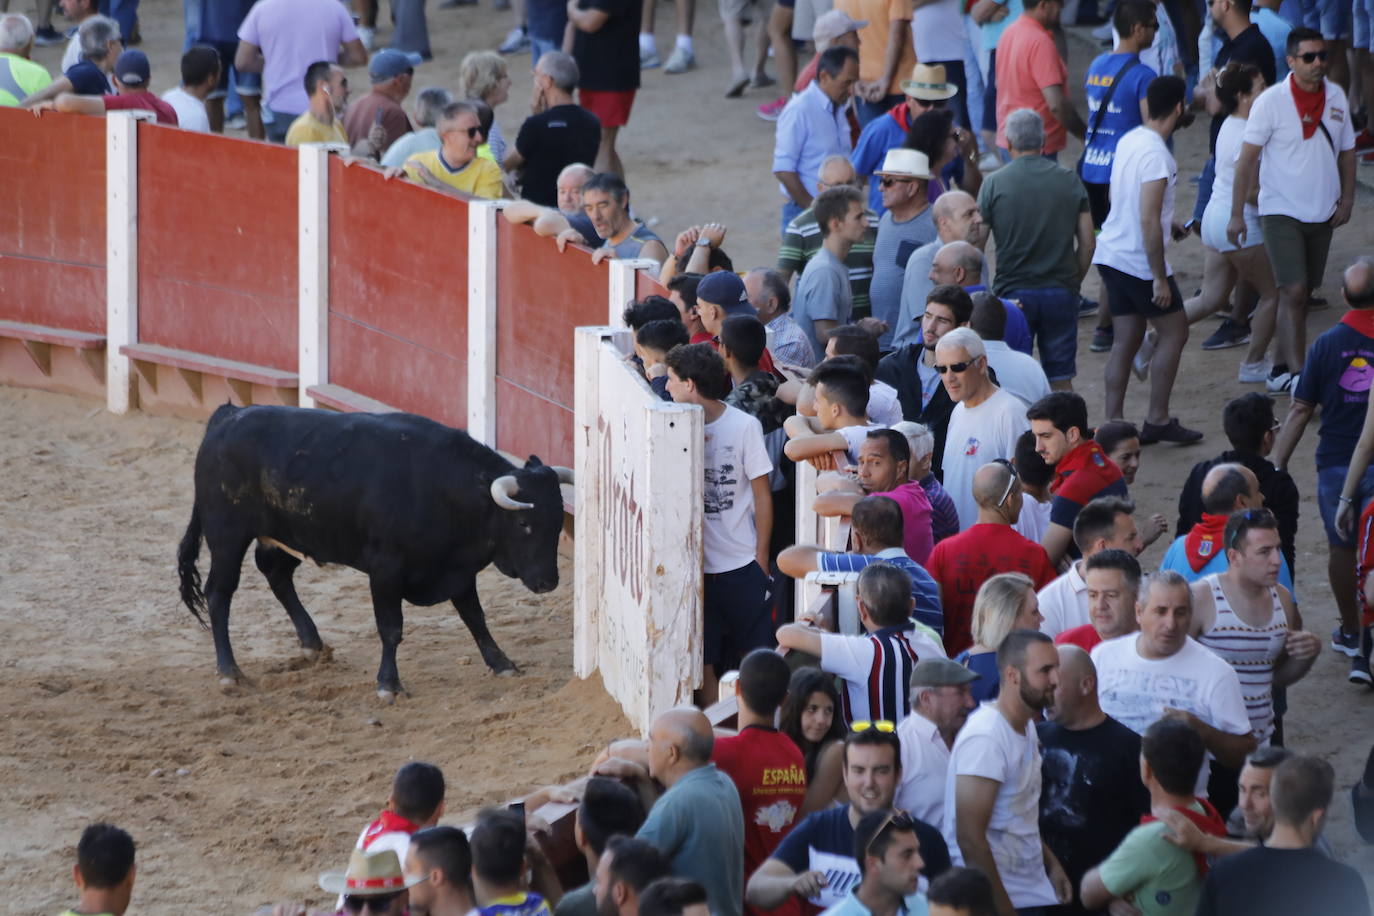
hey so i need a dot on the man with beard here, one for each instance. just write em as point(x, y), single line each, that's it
point(992, 789)
point(627, 867)
point(816, 861)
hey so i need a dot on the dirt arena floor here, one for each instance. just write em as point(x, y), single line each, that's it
point(240, 800)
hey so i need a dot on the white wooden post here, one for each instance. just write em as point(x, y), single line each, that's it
point(807, 527)
point(121, 257)
point(312, 349)
point(482, 321)
point(623, 286)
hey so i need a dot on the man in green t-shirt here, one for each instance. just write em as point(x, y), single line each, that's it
point(104, 871)
point(19, 76)
point(1157, 877)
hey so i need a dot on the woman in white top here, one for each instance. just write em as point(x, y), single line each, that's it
point(1227, 267)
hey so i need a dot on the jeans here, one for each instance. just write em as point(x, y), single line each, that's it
point(1204, 187)
point(868, 111)
point(125, 12)
point(539, 47)
point(412, 34)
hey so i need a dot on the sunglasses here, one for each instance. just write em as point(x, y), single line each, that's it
point(1311, 56)
point(956, 368)
point(1249, 518)
point(895, 818)
point(377, 903)
point(927, 103)
point(889, 182)
point(882, 725)
point(1011, 469)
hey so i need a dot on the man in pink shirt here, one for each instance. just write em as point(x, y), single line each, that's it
point(884, 457)
point(1031, 74)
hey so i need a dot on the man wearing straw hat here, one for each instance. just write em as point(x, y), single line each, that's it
point(373, 882)
point(906, 226)
point(927, 89)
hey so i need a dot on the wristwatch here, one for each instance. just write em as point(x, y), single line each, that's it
point(703, 242)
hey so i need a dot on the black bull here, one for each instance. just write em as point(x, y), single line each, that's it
point(417, 506)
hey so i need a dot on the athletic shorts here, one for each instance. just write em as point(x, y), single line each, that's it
point(804, 16)
point(1297, 251)
point(737, 616)
point(1128, 295)
point(744, 10)
point(613, 108)
point(1099, 201)
point(1329, 484)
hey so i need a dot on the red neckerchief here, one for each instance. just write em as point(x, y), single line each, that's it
point(1361, 320)
point(1204, 540)
point(1078, 458)
point(387, 822)
point(901, 113)
point(1208, 822)
point(1310, 106)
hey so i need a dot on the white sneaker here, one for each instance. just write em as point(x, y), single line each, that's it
point(680, 61)
point(517, 39)
point(1277, 384)
point(990, 162)
point(648, 58)
point(1141, 361)
point(1254, 373)
point(366, 36)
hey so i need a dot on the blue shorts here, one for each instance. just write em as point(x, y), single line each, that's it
point(1361, 15)
point(1330, 17)
point(540, 46)
point(1052, 314)
point(737, 616)
point(1329, 483)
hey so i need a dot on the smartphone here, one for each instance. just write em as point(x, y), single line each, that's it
point(518, 808)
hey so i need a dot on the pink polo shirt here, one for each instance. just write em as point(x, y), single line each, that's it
point(917, 541)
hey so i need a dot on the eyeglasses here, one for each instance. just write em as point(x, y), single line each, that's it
point(1251, 518)
point(886, 182)
point(956, 368)
point(895, 818)
point(1310, 56)
point(377, 903)
point(882, 725)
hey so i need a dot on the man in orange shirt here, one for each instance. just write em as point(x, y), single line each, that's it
point(886, 53)
point(1031, 74)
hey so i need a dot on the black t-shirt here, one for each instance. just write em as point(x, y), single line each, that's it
point(1091, 795)
point(88, 79)
point(1281, 882)
point(609, 57)
point(550, 142)
point(1249, 47)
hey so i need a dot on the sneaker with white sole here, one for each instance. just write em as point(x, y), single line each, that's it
point(1345, 643)
point(648, 58)
point(770, 111)
point(1359, 671)
point(1140, 363)
point(680, 61)
point(1278, 380)
point(366, 36)
point(1228, 334)
point(1254, 373)
point(517, 39)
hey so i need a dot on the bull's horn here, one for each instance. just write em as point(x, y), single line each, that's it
point(565, 475)
point(503, 492)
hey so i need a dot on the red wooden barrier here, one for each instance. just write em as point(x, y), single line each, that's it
point(52, 229)
point(398, 285)
point(217, 246)
point(541, 297)
point(646, 284)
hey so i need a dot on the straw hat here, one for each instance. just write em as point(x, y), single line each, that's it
point(905, 163)
point(929, 84)
point(369, 874)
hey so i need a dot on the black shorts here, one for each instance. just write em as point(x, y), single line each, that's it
point(1099, 201)
point(1128, 295)
point(738, 616)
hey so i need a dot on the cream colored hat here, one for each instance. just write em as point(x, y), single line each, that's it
point(905, 163)
point(928, 83)
point(369, 874)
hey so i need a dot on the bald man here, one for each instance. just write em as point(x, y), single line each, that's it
point(962, 563)
point(957, 218)
point(554, 223)
point(802, 238)
point(698, 823)
point(1090, 794)
point(1227, 488)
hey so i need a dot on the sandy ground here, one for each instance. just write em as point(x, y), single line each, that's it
point(110, 683)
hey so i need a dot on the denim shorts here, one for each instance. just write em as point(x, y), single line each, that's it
point(1329, 483)
point(1330, 17)
point(1052, 314)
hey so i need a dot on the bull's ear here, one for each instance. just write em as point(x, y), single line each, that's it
point(534, 462)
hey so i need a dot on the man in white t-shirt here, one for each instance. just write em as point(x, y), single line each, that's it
point(199, 77)
point(1137, 278)
point(739, 514)
point(986, 420)
point(1105, 523)
point(941, 701)
point(992, 788)
point(1162, 671)
point(1306, 186)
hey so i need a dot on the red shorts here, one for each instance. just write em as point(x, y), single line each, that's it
point(612, 108)
point(1364, 560)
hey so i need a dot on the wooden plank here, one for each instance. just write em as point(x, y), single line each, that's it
point(77, 340)
point(41, 354)
point(336, 397)
point(210, 365)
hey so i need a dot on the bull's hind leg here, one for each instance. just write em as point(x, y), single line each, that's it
point(226, 560)
point(470, 609)
point(386, 606)
point(278, 567)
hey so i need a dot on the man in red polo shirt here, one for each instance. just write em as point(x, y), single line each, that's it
point(1031, 74)
point(131, 77)
point(1082, 471)
point(962, 563)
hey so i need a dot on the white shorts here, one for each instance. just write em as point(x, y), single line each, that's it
point(1214, 220)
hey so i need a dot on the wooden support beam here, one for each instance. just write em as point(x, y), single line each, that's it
point(192, 380)
point(41, 354)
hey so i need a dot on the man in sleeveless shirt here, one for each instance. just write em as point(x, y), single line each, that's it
point(606, 201)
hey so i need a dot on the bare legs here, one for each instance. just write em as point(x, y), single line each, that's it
point(607, 159)
point(1129, 331)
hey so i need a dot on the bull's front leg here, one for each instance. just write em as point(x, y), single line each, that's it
point(470, 610)
point(386, 606)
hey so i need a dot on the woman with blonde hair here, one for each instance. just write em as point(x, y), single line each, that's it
point(487, 79)
point(1004, 603)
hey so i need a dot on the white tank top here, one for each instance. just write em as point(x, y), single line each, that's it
point(1252, 652)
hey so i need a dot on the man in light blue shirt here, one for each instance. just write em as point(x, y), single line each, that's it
point(424, 137)
point(812, 127)
point(889, 857)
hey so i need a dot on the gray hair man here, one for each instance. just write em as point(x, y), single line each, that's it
point(19, 76)
point(100, 48)
point(941, 700)
point(429, 102)
point(1040, 219)
point(557, 134)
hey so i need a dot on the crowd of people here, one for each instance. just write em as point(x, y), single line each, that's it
point(1018, 692)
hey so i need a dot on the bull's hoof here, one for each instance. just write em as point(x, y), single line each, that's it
point(228, 680)
point(317, 656)
point(386, 696)
point(504, 667)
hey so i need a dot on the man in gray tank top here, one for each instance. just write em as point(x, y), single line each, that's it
point(606, 201)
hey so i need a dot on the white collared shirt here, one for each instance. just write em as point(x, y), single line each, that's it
point(1298, 177)
point(925, 760)
point(1064, 602)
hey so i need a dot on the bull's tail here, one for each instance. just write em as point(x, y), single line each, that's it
point(192, 595)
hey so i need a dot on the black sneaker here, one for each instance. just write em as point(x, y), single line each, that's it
point(1359, 671)
point(48, 36)
point(1086, 307)
point(1102, 340)
point(1173, 431)
point(1230, 334)
point(1345, 643)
